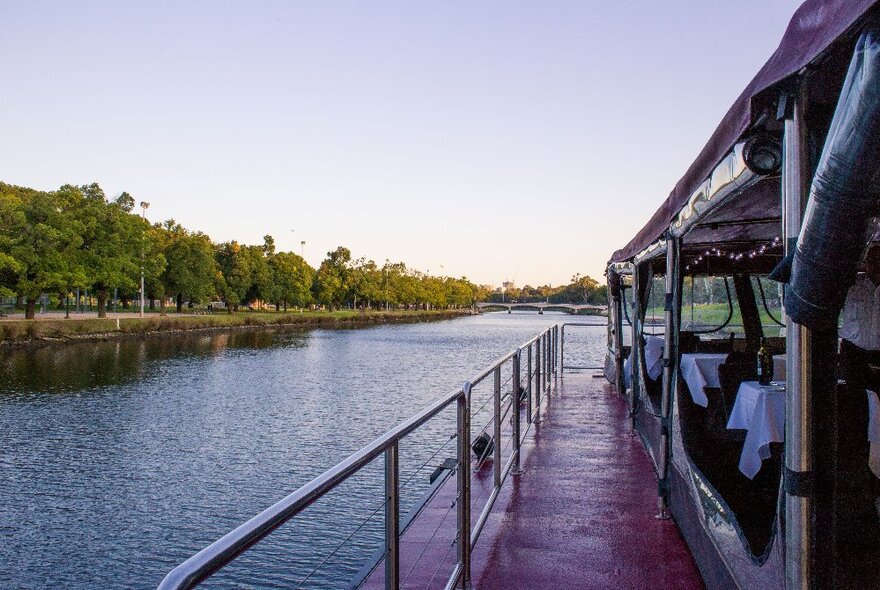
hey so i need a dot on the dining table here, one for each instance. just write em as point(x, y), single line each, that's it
point(760, 410)
point(700, 370)
point(653, 360)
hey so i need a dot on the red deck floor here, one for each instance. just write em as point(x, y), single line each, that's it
point(580, 516)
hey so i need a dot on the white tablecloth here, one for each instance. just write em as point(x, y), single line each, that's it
point(653, 360)
point(761, 410)
point(654, 356)
point(699, 371)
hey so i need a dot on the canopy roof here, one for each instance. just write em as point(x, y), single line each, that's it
point(816, 25)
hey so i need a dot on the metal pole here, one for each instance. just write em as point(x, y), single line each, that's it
point(799, 505)
point(515, 411)
point(496, 408)
point(545, 359)
point(669, 374)
point(549, 354)
point(529, 369)
point(562, 351)
point(635, 352)
point(464, 488)
point(538, 380)
point(529, 385)
point(392, 517)
point(618, 344)
point(144, 206)
point(555, 349)
point(537, 385)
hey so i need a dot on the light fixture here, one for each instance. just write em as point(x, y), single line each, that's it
point(763, 154)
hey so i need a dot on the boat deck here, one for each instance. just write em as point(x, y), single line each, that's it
point(580, 516)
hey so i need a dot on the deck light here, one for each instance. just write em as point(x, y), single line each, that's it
point(763, 154)
point(482, 446)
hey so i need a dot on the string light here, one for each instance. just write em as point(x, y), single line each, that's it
point(735, 256)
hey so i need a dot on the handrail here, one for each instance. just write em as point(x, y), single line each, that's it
point(220, 553)
point(562, 364)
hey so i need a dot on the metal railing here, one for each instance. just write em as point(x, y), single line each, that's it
point(541, 365)
point(561, 337)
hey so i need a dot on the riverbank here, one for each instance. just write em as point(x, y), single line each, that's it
point(30, 332)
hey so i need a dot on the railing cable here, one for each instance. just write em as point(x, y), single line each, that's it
point(338, 547)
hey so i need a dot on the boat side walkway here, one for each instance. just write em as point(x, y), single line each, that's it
point(581, 515)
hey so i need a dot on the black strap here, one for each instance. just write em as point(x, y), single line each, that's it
point(800, 483)
point(663, 487)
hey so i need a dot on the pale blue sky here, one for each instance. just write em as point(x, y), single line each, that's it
point(521, 140)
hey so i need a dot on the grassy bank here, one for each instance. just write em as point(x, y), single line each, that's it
point(34, 331)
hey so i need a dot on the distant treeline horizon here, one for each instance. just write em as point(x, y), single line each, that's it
point(56, 242)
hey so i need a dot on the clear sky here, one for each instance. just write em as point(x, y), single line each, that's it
point(496, 140)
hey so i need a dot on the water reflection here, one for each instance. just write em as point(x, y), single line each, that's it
point(57, 368)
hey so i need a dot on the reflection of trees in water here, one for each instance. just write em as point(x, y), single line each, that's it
point(72, 367)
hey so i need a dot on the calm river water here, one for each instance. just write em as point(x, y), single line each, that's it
point(118, 460)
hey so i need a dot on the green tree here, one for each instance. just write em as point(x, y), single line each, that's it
point(236, 271)
point(292, 278)
point(111, 244)
point(366, 283)
point(260, 287)
point(190, 270)
point(38, 244)
point(333, 279)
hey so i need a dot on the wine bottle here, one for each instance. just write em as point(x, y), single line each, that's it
point(765, 364)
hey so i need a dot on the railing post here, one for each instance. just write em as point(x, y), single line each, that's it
point(536, 378)
point(496, 408)
point(529, 386)
point(562, 351)
point(556, 352)
point(464, 486)
point(545, 360)
point(529, 369)
point(392, 517)
point(538, 381)
point(515, 410)
point(555, 347)
point(549, 373)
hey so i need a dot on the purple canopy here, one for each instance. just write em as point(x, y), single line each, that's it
point(816, 25)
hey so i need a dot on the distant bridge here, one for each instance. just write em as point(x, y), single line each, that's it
point(540, 307)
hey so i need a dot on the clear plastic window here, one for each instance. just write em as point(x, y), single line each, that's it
point(709, 306)
point(768, 296)
point(655, 314)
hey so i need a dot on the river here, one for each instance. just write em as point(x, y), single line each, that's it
point(120, 459)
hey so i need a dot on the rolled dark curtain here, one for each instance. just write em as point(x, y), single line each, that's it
point(844, 203)
point(614, 282)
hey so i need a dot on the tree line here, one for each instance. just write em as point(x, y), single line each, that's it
point(55, 242)
point(582, 289)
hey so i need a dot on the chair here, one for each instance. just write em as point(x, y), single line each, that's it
point(737, 357)
point(730, 376)
point(688, 342)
